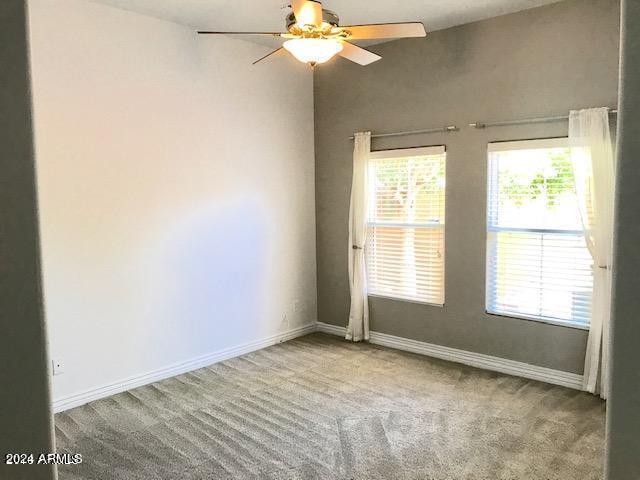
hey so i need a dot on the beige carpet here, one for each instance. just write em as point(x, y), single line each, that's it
point(320, 408)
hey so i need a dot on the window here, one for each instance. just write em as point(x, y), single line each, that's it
point(538, 265)
point(405, 238)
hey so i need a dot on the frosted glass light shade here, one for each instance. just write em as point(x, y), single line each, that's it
point(313, 50)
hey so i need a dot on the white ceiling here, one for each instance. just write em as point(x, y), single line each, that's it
point(268, 15)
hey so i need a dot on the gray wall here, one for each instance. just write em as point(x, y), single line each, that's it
point(25, 417)
point(623, 406)
point(540, 62)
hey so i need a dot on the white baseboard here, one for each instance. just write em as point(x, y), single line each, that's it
point(486, 362)
point(75, 400)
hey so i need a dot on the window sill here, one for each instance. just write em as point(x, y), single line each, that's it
point(408, 300)
point(548, 321)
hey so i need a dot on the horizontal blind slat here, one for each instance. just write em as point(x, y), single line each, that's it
point(546, 273)
point(405, 237)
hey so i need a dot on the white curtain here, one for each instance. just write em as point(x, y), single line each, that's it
point(593, 162)
point(358, 328)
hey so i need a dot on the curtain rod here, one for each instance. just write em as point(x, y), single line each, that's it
point(450, 128)
point(454, 128)
point(528, 120)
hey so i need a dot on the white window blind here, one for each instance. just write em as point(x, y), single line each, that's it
point(405, 239)
point(538, 265)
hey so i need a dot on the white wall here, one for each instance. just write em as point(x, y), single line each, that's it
point(176, 187)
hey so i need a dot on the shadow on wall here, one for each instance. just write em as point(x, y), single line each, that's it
point(215, 265)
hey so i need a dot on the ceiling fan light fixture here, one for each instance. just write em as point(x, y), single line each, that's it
point(315, 35)
point(313, 50)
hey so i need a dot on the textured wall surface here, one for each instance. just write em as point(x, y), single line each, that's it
point(540, 62)
point(25, 418)
point(623, 406)
point(176, 185)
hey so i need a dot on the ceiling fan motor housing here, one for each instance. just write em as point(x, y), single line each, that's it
point(329, 19)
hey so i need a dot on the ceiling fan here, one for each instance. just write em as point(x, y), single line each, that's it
point(314, 35)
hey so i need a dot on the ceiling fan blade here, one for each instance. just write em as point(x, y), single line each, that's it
point(275, 53)
point(358, 54)
point(272, 34)
point(307, 12)
point(385, 30)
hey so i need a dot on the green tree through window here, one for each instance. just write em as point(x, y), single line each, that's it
point(549, 182)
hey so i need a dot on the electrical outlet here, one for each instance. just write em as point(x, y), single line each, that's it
point(58, 366)
point(285, 320)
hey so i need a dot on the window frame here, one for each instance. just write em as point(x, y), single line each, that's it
point(503, 146)
point(402, 153)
